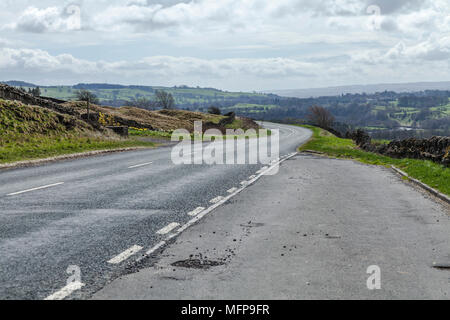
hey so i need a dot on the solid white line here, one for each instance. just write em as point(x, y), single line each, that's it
point(140, 165)
point(38, 188)
point(155, 248)
point(207, 211)
point(196, 211)
point(232, 190)
point(66, 291)
point(216, 200)
point(125, 255)
point(168, 228)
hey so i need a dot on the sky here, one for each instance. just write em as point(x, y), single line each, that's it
point(239, 45)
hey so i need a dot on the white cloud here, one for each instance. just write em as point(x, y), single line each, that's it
point(229, 43)
point(51, 19)
point(162, 66)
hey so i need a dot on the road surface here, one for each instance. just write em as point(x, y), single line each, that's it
point(311, 232)
point(97, 215)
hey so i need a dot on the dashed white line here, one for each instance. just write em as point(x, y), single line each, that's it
point(140, 165)
point(196, 211)
point(216, 200)
point(66, 291)
point(70, 288)
point(38, 188)
point(168, 228)
point(232, 190)
point(125, 255)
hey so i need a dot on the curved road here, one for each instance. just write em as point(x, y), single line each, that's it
point(86, 212)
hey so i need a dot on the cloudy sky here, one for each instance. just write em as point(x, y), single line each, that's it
point(227, 44)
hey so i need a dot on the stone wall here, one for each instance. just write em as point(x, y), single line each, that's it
point(436, 149)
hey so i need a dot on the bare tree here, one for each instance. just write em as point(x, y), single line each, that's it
point(142, 103)
point(88, 97)
point(321, 117)
point(164, 100)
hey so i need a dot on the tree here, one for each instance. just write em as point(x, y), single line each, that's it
point(36, 92)
point(214, 110)
point(164, 100)
point(142, 103)
point(88, 97)
point(321, 117)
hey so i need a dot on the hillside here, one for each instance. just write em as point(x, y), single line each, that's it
point(386, 115)
point(159, 120)
point(31, 132)
point(32, 128)
point(360, 89)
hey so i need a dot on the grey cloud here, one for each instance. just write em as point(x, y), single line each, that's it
point(396, 6)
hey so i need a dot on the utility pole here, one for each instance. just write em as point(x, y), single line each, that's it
point(88, 105)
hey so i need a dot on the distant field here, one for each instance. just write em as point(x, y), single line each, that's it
point(183, 96)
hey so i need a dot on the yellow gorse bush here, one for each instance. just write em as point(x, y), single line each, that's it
point(139, 129)
point(107, 120)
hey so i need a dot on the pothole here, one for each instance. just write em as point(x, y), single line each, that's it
point(197, 264)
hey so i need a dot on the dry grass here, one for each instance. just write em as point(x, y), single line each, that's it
point(164, 120)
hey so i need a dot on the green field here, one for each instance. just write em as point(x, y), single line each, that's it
point(433, 174)
point(183, 96)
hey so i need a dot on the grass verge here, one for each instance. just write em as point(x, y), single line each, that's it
point(45, 146)
point(435, 175)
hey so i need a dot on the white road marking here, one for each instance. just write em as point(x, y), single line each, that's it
point(202, 215)
point(245, 184)
point(251, 177)
point(38, 188)
point(196, 211)
point(168, 228)
point(216, 200)
point(232, 190)
point(125, 255)
point(66, 291)
point(140, 165)
point(155, 248)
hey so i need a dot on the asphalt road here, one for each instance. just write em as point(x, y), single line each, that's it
point(93, 209)
point(313, 231)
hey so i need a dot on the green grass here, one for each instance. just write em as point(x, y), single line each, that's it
point(14, 149)
point(430, 173)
